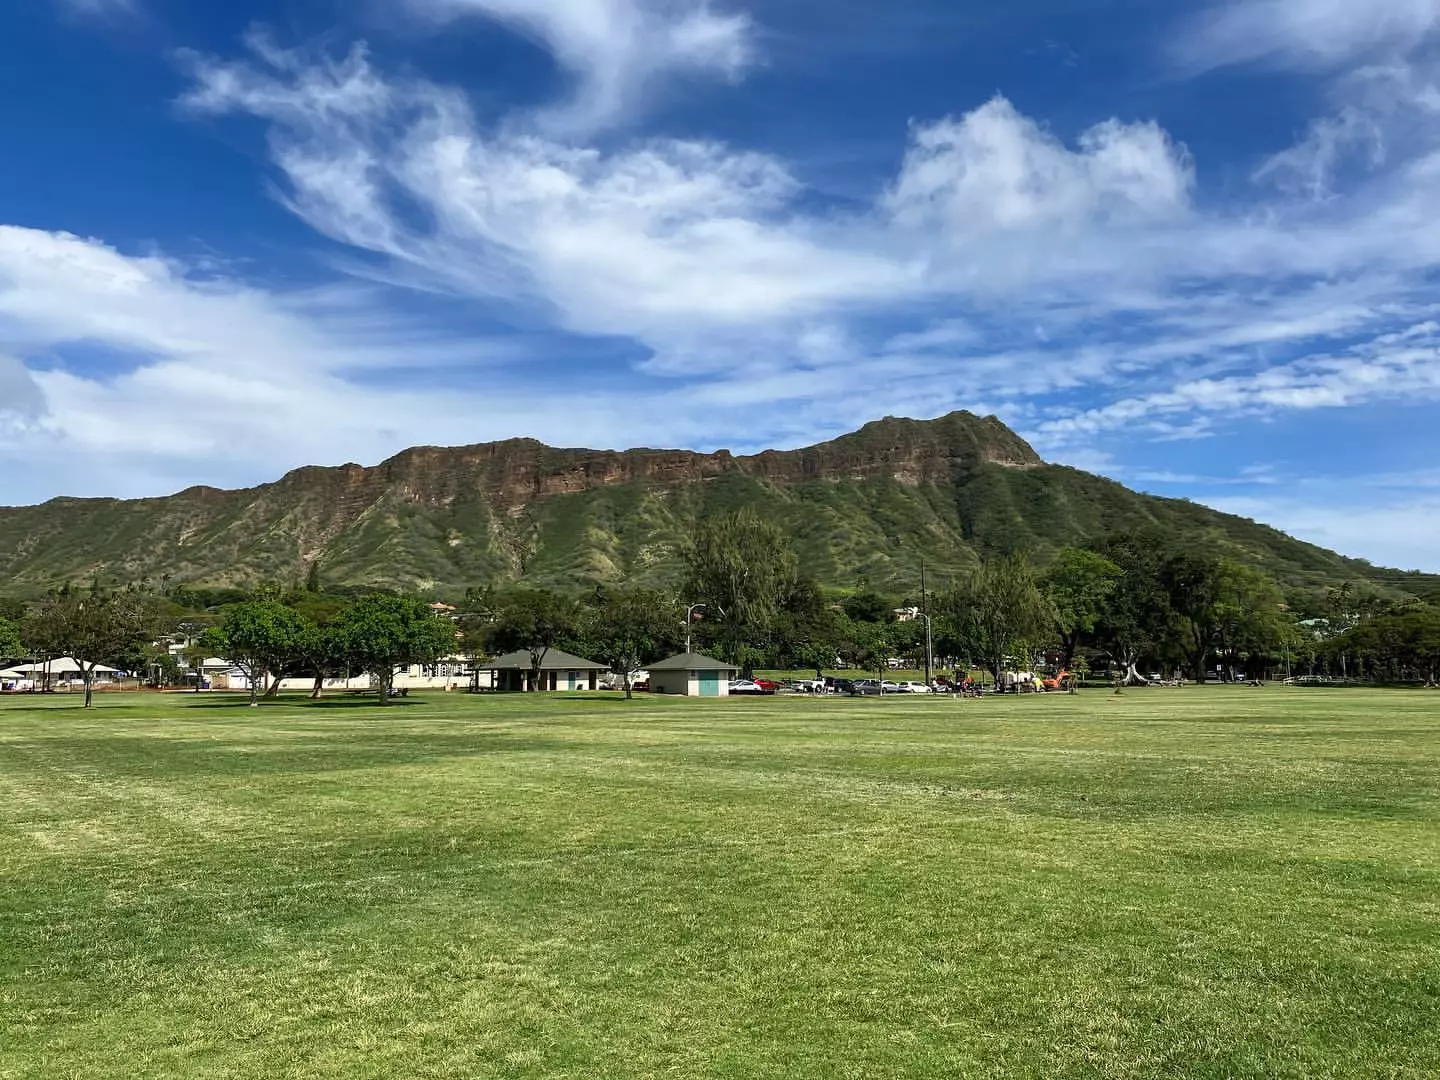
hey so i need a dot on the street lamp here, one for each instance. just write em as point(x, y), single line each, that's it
point(689, 611)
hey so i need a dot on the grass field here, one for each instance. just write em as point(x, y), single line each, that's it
point(1191, 883)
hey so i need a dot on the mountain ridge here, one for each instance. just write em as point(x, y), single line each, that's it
point(865, 506)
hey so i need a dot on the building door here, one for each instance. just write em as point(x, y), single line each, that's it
point(709, 684)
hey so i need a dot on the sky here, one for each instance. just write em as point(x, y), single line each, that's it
point(1195, 248)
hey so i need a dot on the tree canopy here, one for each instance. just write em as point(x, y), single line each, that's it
point(742, 568)
point(382, 632)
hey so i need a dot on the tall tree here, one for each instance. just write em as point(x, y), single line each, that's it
point(533, 621)
point(381, 633)
point(629, 628)
point(1251, 620)
point(742, 568)
point(260, 637)
point(1137, 618)
point(93, 627)
point(1194, 582)
point(1079, 585)
point(1000, 610)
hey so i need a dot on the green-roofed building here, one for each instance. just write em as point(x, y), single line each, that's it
point(559, 670)
point(692, 675)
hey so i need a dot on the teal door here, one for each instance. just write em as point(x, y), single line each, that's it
point(709, 684)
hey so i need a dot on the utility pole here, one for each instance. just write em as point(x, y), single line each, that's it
point(928, 657)
point(925, 609)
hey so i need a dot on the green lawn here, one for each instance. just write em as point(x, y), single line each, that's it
point(1208, 882)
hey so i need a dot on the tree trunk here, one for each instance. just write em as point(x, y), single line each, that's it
point(273, 690)
point(87, 675)
point(628, 695)
point(319, 685)
point(1069, 646)
point(254, 688)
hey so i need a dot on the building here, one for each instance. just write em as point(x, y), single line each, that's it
point(450, 673)
point(63, 671)
point(692, 675)
point(559, 670)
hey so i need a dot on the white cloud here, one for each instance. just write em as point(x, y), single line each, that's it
point(208, 377)
point(1305, 33)
point(996, 169)
point(1403, 366)
point(1003, 266)
point(99, 7)
point(618, 49)
point(702, 253)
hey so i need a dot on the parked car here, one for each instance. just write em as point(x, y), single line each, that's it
point(839, 686)
point(874, 688)
point(767, 685)
point(744, 687)
point(913, 688)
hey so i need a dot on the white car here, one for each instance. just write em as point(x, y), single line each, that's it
point(913, 688)
point(741, 687)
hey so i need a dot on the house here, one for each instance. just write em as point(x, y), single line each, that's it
point(62, 671)
point(449, 673)
point(692, 675)
point(559, 670)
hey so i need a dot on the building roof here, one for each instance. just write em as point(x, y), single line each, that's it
point(60, 666)
point(693, 662)
point(554, 660)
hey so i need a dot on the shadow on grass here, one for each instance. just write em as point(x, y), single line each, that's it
point(243, 705)
point(165, 757)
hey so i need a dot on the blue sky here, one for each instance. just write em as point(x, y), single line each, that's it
point(1192, 247)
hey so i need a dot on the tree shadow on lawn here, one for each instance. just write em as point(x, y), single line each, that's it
point(243, 704)
point(163, 756)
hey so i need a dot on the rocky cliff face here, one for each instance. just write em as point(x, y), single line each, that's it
point(867, 505)
point(516, 472)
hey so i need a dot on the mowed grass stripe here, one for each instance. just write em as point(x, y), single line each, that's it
point(1188, 883)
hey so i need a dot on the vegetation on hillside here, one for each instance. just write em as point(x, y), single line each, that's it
point(866, 507)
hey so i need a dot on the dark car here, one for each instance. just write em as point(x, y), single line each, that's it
point(839, 686)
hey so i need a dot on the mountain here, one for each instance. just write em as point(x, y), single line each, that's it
point(866, 506)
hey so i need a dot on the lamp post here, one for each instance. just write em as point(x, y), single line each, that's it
point(689, 611)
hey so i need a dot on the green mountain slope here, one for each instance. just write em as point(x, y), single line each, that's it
point(867, 506)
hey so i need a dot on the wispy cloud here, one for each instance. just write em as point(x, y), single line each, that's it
point(100, 7)
point(618, 50)
point(1323, 34)
point(1108, 273)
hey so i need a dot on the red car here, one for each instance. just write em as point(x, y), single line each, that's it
point(768, 686)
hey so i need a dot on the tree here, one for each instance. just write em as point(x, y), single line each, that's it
point(1251, 622)
point(320, 653)
point(382, 632)
point(869, 606)
point(1000, 609)
point(628, 628)
point(93, 627)
point(1079, 586)
point(1136, 617)
point(260, 637)
point(742, 568)
point(10, 647)
point(807, 631)
point(534, 621)
point(1193, 583)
